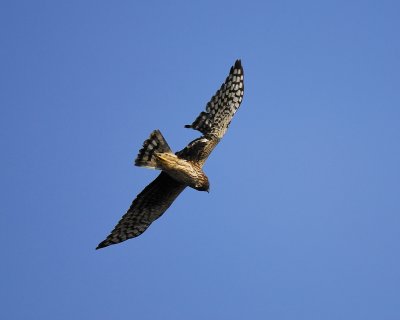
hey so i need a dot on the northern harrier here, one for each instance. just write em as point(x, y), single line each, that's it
point(183, 168)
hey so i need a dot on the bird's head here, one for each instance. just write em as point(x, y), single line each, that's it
point(203, 185)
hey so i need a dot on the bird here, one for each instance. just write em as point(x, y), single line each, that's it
point(183, 168)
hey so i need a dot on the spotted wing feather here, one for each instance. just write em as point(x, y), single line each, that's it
point(214, 122)
point(222, 106)
point(148, 206)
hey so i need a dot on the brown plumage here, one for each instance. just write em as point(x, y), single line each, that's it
point(183, 168)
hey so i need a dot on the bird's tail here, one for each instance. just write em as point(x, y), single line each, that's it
point(154, 144)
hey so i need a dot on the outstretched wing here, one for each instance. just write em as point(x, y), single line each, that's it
point(214, 122)
point(148, 206)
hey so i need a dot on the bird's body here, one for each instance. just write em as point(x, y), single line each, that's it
point(186, 172)
point(157, 154)
point(183, 168)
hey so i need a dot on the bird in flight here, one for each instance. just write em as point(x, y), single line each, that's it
point(183, 168)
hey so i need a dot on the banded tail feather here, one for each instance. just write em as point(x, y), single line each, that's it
point(156, 143)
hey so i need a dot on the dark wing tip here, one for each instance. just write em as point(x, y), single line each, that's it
point(188, 126)
point(103, 244)
point(238, 64)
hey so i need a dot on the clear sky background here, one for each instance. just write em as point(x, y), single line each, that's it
point(303, 218)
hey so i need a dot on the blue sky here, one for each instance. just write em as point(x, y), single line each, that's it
point(303, 217)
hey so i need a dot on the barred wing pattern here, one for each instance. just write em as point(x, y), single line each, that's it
point(214, 122)
point(148, 206)
point(222, 106)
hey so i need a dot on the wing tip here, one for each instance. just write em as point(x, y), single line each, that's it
point(105, 243)
point(237, 66)
point(102, 244)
